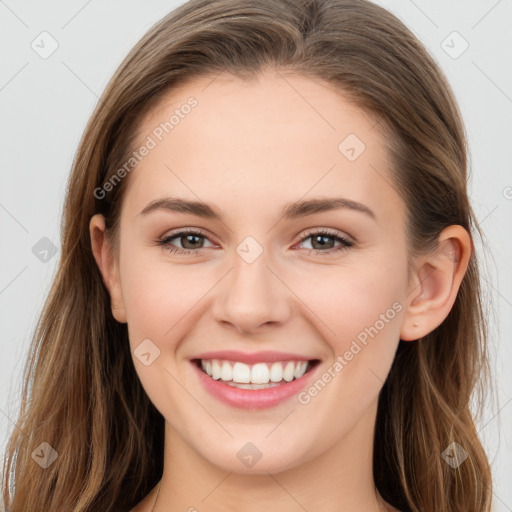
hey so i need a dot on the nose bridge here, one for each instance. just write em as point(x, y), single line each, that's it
point(252, 294)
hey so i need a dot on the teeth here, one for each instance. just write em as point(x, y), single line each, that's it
point(240, 373)
point(260, 373)
point(276, 372)
point(288, 372)
point(300, 369)
point(215, 370)
point(226, 373)
point(257, 374)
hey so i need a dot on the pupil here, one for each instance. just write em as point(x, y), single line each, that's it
point(322, 238)
point(187, 238)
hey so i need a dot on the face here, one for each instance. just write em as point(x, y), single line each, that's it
point(254, 282)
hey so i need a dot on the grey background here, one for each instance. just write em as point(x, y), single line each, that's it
point(45, 104)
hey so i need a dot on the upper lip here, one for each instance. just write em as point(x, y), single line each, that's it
point(253, 357)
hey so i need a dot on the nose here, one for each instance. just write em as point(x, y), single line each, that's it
point(252, 295)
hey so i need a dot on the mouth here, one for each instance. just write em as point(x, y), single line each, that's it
point(257, 376)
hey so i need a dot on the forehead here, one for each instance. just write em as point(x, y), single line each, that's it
point(260, 144)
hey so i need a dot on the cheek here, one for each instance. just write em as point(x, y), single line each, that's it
point(161, 301)
point(358, 310)
point(157, 294)
point(348, 300)
point(368, 309)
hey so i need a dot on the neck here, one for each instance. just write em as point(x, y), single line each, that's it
point(340, 479)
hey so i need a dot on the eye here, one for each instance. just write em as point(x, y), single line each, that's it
point(190, 239)
point(320, 243)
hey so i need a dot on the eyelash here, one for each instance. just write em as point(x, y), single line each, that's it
point(166, 241)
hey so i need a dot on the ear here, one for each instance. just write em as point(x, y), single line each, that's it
point(435, 282)
point(108, 265)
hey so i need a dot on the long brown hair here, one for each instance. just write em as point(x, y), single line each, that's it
point(81, 394)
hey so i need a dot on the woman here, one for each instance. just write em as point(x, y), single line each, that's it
point(263, 368)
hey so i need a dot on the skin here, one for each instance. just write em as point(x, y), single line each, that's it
point(250, 148)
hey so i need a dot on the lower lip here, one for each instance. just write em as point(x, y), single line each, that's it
point(253, 398)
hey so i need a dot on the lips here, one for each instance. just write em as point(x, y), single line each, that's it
point(256, 380)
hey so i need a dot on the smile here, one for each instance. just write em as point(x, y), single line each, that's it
point(256, 376)
point(253, 381)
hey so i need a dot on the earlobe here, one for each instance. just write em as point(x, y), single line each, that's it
point(435, 283)
point(107, 265)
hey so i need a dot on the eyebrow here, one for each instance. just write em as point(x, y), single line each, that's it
point(296, 209)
